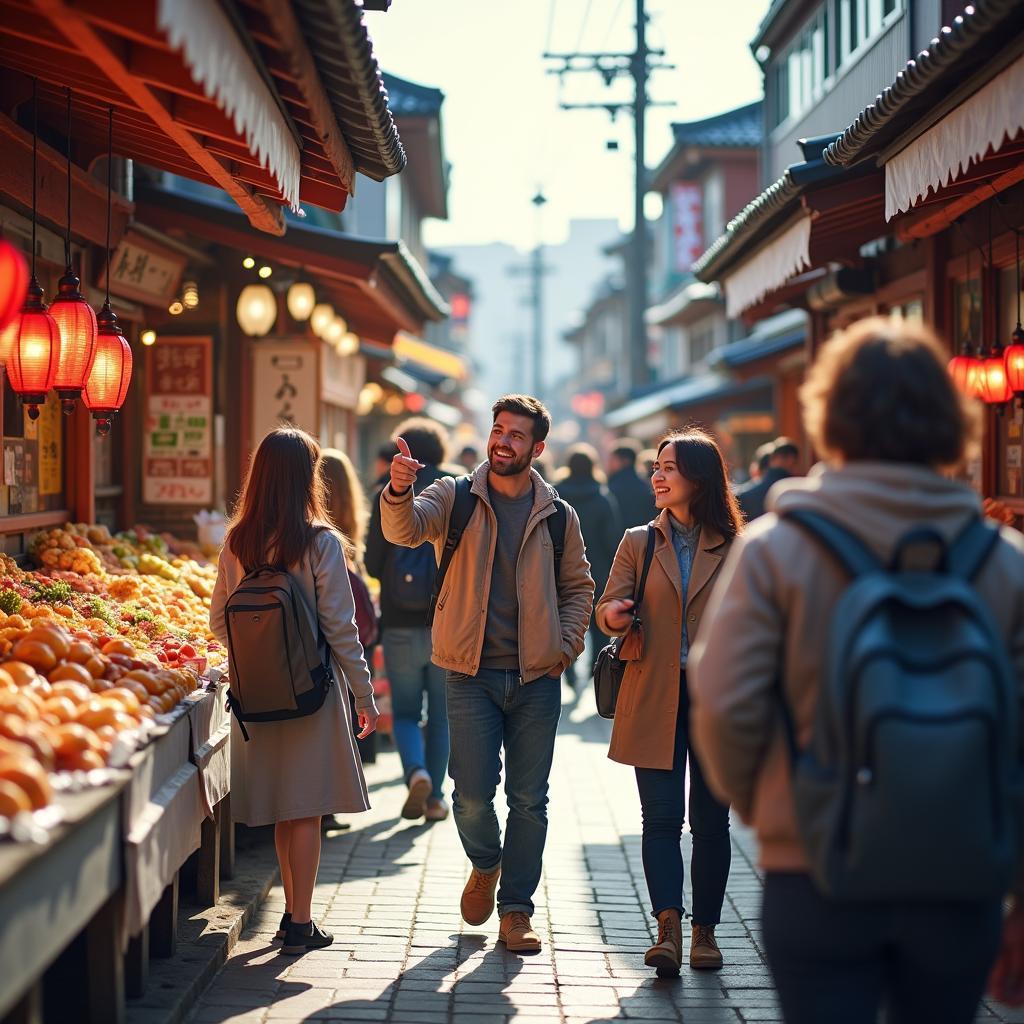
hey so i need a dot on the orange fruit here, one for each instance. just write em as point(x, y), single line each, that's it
point(96, 666)
point(7, 680)
point(97, 712)
point(84, 761)
point(80, 652)
point(125, 697)
point(69, 670)
point(20, 672)
point(20, 704)
point(13, 799)
point(37, 653)
point(77, 693)
point(30, 776)
point(54, 637)
point(119, 646)
point(59, 709)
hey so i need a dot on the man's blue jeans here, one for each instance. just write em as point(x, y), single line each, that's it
point(412, 674)
point(485, 711)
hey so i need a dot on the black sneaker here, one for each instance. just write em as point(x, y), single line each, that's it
point(300, 938)
point(286, 919)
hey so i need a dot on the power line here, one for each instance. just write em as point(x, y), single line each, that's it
point(551, 24)
point(583, 23)
point(611, 25)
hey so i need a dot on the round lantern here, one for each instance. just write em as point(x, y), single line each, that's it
point(995, 388)
point(77, 325)
point(13, 282)
point(965, 369)
point(256, 309)
point(111, 373)
point(301, 300)
point(35, 349)
point(1014, 358)
point(321, 318)
point(349, 344)
point(334, 332)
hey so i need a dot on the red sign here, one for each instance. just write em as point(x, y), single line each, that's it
point(687, 225)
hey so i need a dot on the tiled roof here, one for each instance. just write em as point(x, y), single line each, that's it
point(958, 50)
point(410, 99)
point(734, 128)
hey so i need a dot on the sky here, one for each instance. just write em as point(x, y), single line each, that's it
point(504, 134)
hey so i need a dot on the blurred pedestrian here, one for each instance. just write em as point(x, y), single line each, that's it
point(292, 771)
point(346, 505)
point(767, 685)
point(783, 460)
point(633, 494)
point(469, 457)
point(581, 484)
point(759, 465)
point(698, 521)
point(645, 463)
point(406, 578)
point(510, 617)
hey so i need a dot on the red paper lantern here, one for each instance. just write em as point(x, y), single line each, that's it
point(965, 369)
point(13, 282)
point(35, 348)
point(111, 373)
point(995, 388)
point(77, 324)
point(1014, 358)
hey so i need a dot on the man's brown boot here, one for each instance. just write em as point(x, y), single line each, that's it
point(704, 952)
point(478, 897)
point(667, 955)
point(517, 933)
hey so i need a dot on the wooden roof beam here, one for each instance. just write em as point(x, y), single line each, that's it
point(77, 28)
point(291, 39)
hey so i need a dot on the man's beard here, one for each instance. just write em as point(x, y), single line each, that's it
point(512, 468)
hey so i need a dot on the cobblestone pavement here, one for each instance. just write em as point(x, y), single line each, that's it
point(389, 890)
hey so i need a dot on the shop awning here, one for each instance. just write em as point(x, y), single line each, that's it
point(687, 304)
point(762, 344)
point(679, 396)
point(275, 102)
point(378, 287)
point(438, 360)
point(814, 214)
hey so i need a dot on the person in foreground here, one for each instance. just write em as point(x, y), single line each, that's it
point(291, 772)
point(698, 521)
point(508, 622)
point(858, 738)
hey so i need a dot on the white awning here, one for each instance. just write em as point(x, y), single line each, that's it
point(220, 63)
point(992, 115)
point(774, 263)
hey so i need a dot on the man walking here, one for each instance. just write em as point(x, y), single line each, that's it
point(782, 463)
point(634, 495)
point(508, 622)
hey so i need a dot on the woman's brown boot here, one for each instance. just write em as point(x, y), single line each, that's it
point(667, 955)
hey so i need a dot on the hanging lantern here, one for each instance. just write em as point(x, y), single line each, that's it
point(965, 371)
point(13, 282)
point(334, 332)
point(190, 295)
point(1014, 357)
point(301, 301)
point(107, 386)
point(995, 388)
point(35, 349)
point(77, 325)
point(256, 310)
point(349, 344)
point(321, 317)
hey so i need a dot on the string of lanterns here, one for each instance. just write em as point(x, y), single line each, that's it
point(64, 347)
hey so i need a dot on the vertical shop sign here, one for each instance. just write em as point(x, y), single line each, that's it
point(50, 436)
point(178, 450)
point(285, 388)
point(687, 225)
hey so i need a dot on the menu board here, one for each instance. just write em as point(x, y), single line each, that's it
point(285, 389)
point(178, 444)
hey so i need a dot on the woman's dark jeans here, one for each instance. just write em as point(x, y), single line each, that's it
point(840, 963)
point(663, 799)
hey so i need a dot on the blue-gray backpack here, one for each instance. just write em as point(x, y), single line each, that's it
point(910, 787)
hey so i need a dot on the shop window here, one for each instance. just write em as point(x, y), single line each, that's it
point(702, 341)
point(1010, 423)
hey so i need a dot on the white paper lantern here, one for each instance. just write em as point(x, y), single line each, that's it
point(256, 310)
point(321, 318)
point(301, 300)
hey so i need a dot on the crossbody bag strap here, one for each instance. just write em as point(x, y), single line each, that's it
point(648, 558)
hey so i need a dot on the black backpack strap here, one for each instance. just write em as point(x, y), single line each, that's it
point(556, 529)
point(648, 558)
point(458, 520)
point(971, 547)
point(846, 547)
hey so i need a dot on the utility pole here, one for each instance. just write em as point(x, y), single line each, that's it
point(536, 270)
point(638, 66)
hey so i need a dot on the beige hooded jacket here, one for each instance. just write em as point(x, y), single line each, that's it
point(773, 606)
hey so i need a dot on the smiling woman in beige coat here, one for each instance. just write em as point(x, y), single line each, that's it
point(699, 518)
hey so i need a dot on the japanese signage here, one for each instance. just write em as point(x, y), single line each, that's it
point(687, 225)
point(143, 270)
point(49, 433)
point(21, 479)
point(285, 388)
point(177, 450)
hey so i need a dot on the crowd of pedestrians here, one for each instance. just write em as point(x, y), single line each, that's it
point(836, 658)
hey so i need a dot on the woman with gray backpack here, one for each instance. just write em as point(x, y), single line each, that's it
point(283, 607)
point(856, 696)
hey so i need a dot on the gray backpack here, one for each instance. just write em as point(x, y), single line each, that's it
point(910, 789)
point(279, 667)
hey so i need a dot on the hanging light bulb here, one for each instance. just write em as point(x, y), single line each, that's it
point(74, 316)
point(265, 271)
point(301, 301)
point(34, 336)
point(190, 295)
point(111, 373)
point(13, 282)
point(334, 333)
point(349, 344)
point(248, 263)
point(176, 308)
point(148, 337)
point(256, 310)
point(321, 317)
